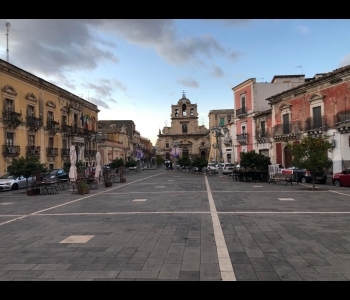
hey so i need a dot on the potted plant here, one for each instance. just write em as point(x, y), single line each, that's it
point(83, 188)
point(107, 179)
point(118, 164)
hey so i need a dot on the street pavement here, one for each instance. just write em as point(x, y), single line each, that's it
point(173, 226)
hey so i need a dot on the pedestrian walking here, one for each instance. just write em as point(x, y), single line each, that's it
point(167, 165)
point(171, 165)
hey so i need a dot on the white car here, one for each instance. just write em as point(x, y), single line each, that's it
point(7, 183)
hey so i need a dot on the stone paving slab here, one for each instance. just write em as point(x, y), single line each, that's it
point(170, 236)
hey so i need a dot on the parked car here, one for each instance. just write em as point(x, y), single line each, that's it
point(342, 178)
point(54, 175)
point(227, 168)
point(305, 176)
point(211, 166)
point(7, 182)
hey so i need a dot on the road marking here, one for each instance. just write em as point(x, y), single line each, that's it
point(6, 203)
point(340, 193)
point(257, 186)
point(77, 239)
point(160, 186)
point(286, 199)
point(139, 200)
point(225, 264)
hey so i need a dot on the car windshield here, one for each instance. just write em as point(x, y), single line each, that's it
point(6, 176)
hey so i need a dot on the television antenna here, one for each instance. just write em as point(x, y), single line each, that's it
point(8, 24)
point(301, 68)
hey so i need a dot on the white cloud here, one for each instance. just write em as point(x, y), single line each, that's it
point(345, 61)
point(188, 82)
point(303, 29)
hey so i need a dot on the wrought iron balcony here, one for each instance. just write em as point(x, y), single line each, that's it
point(52, 126)
point(33, 150)
point(241, 112)
point(34, 122)
point(318, 124)
point(10, 150)
point(51, 151)
point(262, 136)
point(12, 118)
point(285, 132)
point(242, 138)
point(342, 118)
point(227, 141)
point(88, 133)
point(65, 151)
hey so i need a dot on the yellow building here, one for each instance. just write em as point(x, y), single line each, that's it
point(42, 119)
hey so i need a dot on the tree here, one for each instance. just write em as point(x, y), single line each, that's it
point(159, 161)
point(184, 161)
point(131, 163)
point(312, 154)
point(254, 161)
point(116, 163)
point(200, 163)
point(25, 166)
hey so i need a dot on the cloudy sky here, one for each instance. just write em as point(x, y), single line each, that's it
point(136, 69)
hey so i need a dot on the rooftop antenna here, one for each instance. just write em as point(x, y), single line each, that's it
point(8, 24)
point(301, 68)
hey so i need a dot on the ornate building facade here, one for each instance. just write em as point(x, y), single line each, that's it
point(42, 119)
point(184, 138)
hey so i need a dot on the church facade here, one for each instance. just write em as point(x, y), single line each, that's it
point(184, 138)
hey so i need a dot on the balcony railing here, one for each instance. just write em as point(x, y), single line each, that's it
point(342, 118)
point(51, 151)
point(34, 122)
point(65, 151)
point(11, 150)
point(241, 111)
point(12, 118)
point(90, 153)
point(33, 150)
point(313, 123)
point(286, 131)
point(262, 136)
point(242, 138)
point(227, 141)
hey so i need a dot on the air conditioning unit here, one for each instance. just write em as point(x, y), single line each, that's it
point(11, 149)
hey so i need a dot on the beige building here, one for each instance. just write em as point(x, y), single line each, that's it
point(184, 138)
point(42, 119)
point(221, 149)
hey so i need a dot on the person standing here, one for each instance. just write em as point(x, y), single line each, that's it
point(167, 165)
point(171, 165)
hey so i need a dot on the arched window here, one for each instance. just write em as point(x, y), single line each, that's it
point(176, 112)
point(184, 109)
point(192, 112)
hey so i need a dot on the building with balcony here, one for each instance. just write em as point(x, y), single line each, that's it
point(319, 107)
point(184, 138)
point(251, 107)
point(221, 141)
point(39, 118)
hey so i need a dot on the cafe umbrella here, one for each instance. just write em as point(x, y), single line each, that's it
point(73, 161)
point(98, 165)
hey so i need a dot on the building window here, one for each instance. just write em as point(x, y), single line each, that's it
point(51, 142)
point(202, 144)
point(184, 128)
point(9, 138)
point(9, 105)
point(192, 112)
point(317, 118)
point(30, 111)
point(64, 144)
point(184, 109)
point(50, 116)
point(222, 122)
point(264, 152)
point(263, 129)
point(31, 140)
point(64, 120)
point(228, 118)
point(176, 112)
point(286, 123)
point(243, 130)
point(166, 145)
point(75, 120)
point(243, 101)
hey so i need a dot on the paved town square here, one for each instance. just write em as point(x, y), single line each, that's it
point(169, 225)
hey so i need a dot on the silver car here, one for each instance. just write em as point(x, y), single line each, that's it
point(7, 182)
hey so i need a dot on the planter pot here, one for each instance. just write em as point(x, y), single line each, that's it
point(83, 191)
point(108, 184)
point(33, 192)
point(122, 180)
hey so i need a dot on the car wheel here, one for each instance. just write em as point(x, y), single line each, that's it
point(303, 180)
point(15, 186)
point(337, 183)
